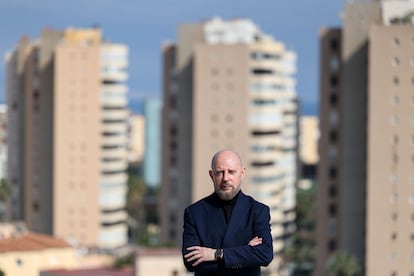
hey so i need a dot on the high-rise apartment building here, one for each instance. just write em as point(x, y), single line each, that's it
point(229, 85)
point(309, 135)
point(68, 116)
point(366, 191)
point(4, 187)
point(327, 219)
point(136, 140)
point(308, 151)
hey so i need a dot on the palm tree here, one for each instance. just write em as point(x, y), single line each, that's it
point(4, 195)
point(343, 264)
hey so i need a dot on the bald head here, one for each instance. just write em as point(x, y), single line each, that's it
point(227, 154)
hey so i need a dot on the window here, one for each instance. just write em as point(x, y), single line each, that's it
point(333, 99)
point(19, 262)
point(332, 191)
point(396, 80)
point(332, 173)
point(172, 218)
point(395, 61)
point(332, 210)
point(172, 233)
point(331, 245)
point(262, 71)
point(394, 120)
point(334, 80)
point(395, 42)
point(395, 100)
point(332, 153)
point(333, 118)
point(173, 102)
point(35, 206)
point(334, 63)
point(229, 118)
point(394, 179)
point(333, 136)
point(214, 133)
point(334, 44)
point(173, 160)
point(173, 130)
point(393, 198)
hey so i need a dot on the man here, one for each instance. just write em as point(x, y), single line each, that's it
point(227, 232)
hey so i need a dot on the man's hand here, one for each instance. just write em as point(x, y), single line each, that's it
point(200, 254)
point(255, 241)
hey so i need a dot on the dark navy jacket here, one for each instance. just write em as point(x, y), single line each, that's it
point(205, 225)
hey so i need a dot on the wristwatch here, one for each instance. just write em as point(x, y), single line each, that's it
point(219, 254)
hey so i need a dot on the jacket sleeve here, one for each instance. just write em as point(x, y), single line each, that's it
point(253, 256)
point(190, 238)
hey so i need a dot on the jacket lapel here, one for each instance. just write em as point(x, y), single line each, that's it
point(216, 226)
point(237, 216)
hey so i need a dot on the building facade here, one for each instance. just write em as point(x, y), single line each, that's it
point(136, 139)
point(329, 147)
point(366, 191)
point(229, 85)
point(68, 116)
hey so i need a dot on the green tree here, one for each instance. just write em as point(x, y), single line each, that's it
point(4, 195)
point(123, 261)
point(343, 264)
point(300, 248)
point(135, 205)
point(4, 190)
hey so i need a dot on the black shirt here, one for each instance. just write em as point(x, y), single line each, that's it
point(228, 206)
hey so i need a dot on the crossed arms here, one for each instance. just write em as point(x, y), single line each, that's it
point(199, 248)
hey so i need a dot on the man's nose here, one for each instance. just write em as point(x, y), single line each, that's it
point(225, 176)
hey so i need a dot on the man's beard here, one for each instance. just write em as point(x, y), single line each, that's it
point(226, 195)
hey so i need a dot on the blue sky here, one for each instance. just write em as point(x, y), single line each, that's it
point(145, 25)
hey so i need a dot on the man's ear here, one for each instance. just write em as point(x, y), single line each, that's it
point(210, 172)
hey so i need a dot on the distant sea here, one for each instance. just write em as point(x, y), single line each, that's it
point(309, 109)
point(136, 107)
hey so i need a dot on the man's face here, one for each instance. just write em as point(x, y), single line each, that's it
point(227, 175)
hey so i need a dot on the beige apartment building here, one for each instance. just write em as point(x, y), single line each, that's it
point(308, 139)
point(229, 85)
point(366, 184)
point(308, 151)
point(68, 115)
point(136, 140)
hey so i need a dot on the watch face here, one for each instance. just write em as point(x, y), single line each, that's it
point(218, 254)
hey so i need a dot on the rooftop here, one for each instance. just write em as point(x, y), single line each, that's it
point(29, 241)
